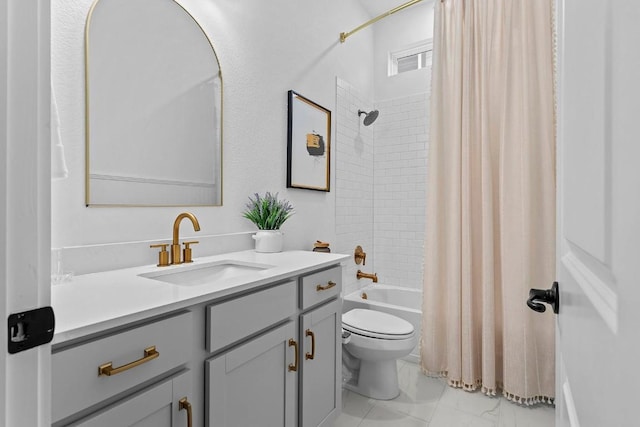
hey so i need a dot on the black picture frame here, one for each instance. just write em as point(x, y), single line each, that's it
point(308, 144)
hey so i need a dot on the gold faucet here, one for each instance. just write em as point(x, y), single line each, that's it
point(360, 256)
point(361, 275)
point(175, 246)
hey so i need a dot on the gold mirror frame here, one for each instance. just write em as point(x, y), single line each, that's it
point(219, 134)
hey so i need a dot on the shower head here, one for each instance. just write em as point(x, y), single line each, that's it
point(369, 117)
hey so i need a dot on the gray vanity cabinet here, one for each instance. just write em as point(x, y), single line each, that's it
point(255, 384)
point(254, 380)
point(265, 356)
point(287, 373)
point(320, 376)
point(320, 331)
point(130, 377)
point(157, 406)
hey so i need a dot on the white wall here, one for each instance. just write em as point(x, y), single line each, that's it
point(382, 169)
point(394, 33)
point(354, 186)
point(265, 49)
point(401, 144)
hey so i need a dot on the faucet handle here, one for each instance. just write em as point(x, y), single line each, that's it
point(360, 256)
point(163, 255)
point(187, 253)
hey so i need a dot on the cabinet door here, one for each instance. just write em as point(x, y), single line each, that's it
point(255, 384)
point(156, 406)
point(75, 368)
point(321, 368)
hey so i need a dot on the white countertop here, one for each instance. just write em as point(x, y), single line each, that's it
point(95, 302)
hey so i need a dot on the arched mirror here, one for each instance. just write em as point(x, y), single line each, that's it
point(154, 107)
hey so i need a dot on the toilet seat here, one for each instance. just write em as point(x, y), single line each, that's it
point(376, 324)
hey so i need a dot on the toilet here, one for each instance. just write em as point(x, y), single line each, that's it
point(372, 343)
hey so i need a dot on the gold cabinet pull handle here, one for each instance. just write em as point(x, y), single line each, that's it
point(329, 285)
point(293, 367)
point(310, 356)
point(107, 369)
point(184, 404)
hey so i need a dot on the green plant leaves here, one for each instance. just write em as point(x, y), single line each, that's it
point(267, 213)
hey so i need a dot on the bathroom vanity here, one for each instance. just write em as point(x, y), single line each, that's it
point(241, 339)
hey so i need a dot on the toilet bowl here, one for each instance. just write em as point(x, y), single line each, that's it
point(373, 342)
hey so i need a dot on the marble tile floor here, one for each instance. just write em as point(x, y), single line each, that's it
point(426, 401)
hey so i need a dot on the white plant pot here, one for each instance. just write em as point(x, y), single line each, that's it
point(268, 241)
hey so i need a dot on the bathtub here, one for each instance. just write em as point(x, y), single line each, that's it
point(405, 303)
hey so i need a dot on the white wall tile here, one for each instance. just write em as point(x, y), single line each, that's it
point(381, 175)
point(354, 178)
point(400, 159)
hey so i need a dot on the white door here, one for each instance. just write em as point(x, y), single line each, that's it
point(25, 181)
point(598, 247)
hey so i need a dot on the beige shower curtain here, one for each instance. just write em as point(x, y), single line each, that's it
point(491, 198)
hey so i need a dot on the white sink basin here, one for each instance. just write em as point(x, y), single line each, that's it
point(202, 274)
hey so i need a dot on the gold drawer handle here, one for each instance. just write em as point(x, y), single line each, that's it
point(107, 369)
point(293, 367)
point(184, 404)
point(310, 356)
point(329, 285)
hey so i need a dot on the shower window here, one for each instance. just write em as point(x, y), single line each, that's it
point(411, 58)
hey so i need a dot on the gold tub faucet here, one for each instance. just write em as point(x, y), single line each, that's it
point(175, 246)
point(361, 275)
point(360, 256)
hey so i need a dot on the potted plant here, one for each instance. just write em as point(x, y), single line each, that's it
point(268, 214)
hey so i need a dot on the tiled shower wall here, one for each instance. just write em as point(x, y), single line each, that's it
point(400, 177)
point(381, 173)
point(354, 182)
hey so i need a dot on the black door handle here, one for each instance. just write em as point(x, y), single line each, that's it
point(548, 296)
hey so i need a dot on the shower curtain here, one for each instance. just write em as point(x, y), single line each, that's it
point(491, 198)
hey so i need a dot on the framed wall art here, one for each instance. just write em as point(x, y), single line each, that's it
point(308, 144)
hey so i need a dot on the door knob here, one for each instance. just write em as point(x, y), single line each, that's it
point(548, 296)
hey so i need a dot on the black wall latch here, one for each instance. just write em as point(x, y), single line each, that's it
point(30, 329)
point(548, 296)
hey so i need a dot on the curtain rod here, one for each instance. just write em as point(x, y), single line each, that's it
point(343, 36)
